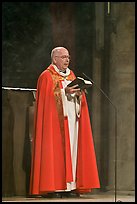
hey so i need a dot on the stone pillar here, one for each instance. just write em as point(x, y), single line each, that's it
point(122, 92)
point(8, 185)
point(96, 77)
point(20, 102)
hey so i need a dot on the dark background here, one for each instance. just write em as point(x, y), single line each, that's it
point(31, 30)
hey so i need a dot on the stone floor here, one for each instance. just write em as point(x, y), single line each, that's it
point(100, 197)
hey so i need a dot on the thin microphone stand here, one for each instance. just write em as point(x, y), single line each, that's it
point(115, 132)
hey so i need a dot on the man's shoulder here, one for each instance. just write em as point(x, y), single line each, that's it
point(45, 73)
point(72, 73)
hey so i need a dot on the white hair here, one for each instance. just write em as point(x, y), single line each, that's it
point(55, 50)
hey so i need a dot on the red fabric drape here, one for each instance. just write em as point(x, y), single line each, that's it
point(51, 158)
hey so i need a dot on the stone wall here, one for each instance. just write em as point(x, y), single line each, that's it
point(102, 46)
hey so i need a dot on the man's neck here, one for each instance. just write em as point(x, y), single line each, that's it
point(64, 71)
point(61, 70)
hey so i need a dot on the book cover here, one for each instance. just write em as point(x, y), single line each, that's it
point(82, 83)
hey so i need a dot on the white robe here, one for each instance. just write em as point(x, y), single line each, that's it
point(71, 109)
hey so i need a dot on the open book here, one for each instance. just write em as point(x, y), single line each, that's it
point(82, 83)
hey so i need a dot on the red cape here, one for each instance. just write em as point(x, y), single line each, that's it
point(51, 161)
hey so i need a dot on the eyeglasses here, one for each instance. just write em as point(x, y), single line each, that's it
point(64, 57)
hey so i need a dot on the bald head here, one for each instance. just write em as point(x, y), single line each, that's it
point(60, 57)
point(57, 51)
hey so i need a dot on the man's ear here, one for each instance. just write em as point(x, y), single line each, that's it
point(54, 60)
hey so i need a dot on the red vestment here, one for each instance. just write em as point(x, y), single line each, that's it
point(51, 167)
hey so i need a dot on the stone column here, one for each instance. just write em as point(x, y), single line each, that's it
point(20, 101)
point(122, 92)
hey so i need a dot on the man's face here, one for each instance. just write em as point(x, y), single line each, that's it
point(62, 59)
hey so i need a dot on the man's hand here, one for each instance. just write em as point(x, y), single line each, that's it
point(72, 89)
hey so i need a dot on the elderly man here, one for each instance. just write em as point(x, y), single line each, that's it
point(63, 155)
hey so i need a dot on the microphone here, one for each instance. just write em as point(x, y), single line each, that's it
point(115, 161)
point(99, 88)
